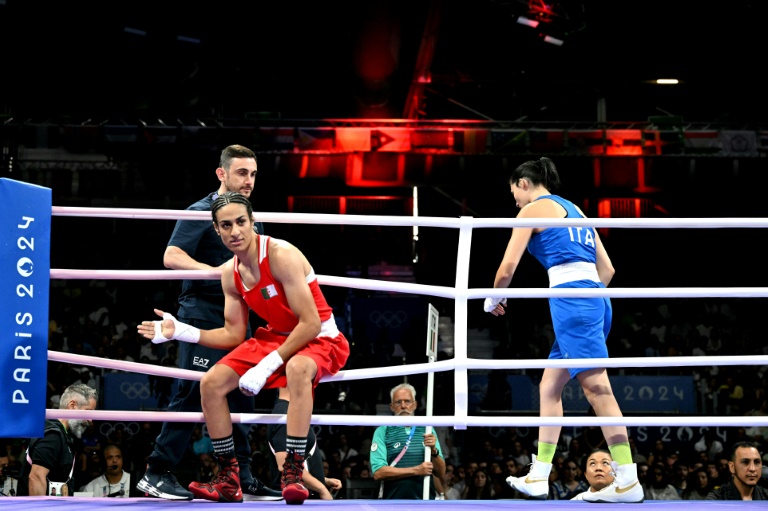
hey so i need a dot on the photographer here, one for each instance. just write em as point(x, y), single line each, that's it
point(9, 475)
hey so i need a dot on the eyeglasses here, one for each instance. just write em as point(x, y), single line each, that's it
point(400, 402)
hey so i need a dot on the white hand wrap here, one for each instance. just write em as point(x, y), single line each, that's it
point(490, 303)
point(256, 377)
point(181, 331)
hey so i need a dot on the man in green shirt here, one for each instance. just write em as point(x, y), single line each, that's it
point(397, 452)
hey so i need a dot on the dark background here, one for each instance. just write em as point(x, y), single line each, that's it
point(357, 59)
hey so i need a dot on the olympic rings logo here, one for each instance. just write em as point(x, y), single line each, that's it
point(500, 432)
point(388, 319)
point(130, 429)
point(135, 390)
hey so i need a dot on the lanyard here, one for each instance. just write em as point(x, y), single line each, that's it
point(399, 456)
point(407, 443)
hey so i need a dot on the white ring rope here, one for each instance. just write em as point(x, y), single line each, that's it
point(421, 221)
point(436, 367)
point(440, 291)
point(460, 364)
point(418, 420)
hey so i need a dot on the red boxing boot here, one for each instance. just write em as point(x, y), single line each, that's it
point(225, 487)
point(294, 491)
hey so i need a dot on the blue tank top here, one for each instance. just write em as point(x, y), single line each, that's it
point(559, 245)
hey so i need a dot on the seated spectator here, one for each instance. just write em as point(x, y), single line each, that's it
point(569, 484)
point(591, 439)
point(114, 482)
point(91, 440)
point(504, 491)
point(716, 476)
point(459, 484)
point(733, 395)
point(710, 445)
point(746, 470)
point(658, 453)
point(637, 456)
point(557, 461)
point(576, 449)
point(447, 480)
point(642, 475)
point(598, 471)
point(680, 479)
point(659, 487)
point(699, 485)
point(9, 475)
point(723, 464)
point(672, 459)
point(480, 488)
point(765, 467)
point(520, 454)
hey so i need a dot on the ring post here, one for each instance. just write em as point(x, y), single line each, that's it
point(25, 270)
point(432, 320)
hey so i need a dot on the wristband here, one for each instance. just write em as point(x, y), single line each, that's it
point(181, 331)
point(490, 303)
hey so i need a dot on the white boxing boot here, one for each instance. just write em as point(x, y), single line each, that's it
point(625, 487)
point(536, 483)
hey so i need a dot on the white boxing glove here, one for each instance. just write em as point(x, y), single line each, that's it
point(490, 303)
point(256, 377)
point(181, 331)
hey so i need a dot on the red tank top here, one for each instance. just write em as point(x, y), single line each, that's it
point(267, 297)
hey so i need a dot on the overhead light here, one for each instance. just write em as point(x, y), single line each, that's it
point(135, 31)
point(528, 22)
point(553, 40)
point(667, 81)
point(187, 39)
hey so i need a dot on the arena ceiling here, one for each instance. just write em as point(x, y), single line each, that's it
point(299, 60)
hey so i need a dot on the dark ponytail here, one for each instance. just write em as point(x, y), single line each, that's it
point(541, 172)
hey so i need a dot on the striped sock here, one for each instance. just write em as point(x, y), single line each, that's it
point(296, 444)
point(224, 447)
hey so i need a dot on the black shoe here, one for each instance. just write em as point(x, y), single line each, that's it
point(256, 490)
point(164, 486)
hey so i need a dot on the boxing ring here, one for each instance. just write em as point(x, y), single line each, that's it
point(462, 297)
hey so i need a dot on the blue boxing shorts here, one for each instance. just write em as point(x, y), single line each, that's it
point(581, 326)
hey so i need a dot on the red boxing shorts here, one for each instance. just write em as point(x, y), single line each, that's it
point(329, 353)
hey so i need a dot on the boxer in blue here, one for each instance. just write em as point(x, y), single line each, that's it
point(574, 257)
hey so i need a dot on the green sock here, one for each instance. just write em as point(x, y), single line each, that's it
point(621, 453)
point(546, 452)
